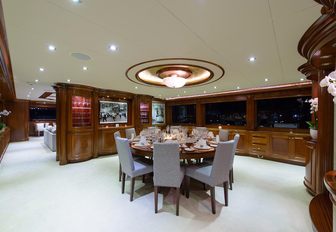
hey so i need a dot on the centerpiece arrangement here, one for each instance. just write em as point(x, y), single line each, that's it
point(313, 125)
point(3, 113)
point(330, 82)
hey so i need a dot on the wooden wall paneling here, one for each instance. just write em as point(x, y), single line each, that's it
point(4, 141)
point(7, 89)
point(18, 120)
point(251, 112)
point(243, 143)
point(95, 113)
point(62, 107)
point(298, 150)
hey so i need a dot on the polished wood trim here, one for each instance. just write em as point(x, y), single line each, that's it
point(7, 89)
point(320, 210)
point(18, 120)
point(4, 141)
point(330, 183)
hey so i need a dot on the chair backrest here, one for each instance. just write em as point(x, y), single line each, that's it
point(39, 126)
point(166, 164)
point(125, 155)
point(129, 133)
point(236, 140)
point(116, 134)
point(222, 162)
point(223, 135)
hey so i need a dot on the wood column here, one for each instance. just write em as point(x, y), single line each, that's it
point(251, 113)
point(325, 139)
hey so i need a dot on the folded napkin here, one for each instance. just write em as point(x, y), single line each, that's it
point(217, 138)
point(143, 141)
point(211, 135)
point(201, 143)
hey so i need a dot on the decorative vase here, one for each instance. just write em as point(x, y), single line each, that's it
point(313, 133)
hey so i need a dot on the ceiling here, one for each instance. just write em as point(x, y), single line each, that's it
point(224, 32)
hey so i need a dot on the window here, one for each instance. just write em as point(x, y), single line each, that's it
point(226, 113)
point(184, 114)
point(290, 112)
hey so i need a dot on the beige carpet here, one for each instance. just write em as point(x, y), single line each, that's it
point(36, 194)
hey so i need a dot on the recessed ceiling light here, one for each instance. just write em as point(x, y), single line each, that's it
point(85, 68)
point(301, 79)
point(215, 87)
point(28, 95)
point(76, 1)
point(68, 80)
point(238, 87)
point(204, 91)
point(266, 79)
point(32, 88)
point(113, 47)
point(160, 95)
point(252, 59)
point(178, 95)
point(184, 91)
point(136, 87)
point(51, 47)
point(41, 69)
point(36, 80)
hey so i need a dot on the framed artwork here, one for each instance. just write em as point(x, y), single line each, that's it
point(158, 113)
point(112, 112)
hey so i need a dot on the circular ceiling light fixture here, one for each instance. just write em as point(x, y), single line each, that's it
point(175, 72)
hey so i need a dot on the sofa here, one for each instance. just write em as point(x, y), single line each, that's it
point(50, 137)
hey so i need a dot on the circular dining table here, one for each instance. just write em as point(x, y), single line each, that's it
point(184, 154)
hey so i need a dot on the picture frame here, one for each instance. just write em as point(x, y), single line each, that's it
point(113, 112)
point(158, 113)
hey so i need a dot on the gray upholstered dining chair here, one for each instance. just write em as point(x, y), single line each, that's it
point(215, 174)
point(223, 135)
point(117, 134)
point(129, 132)
point(167, 170)
point(236, 140)
point(130, 167)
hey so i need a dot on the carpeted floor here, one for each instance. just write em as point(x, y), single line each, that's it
point(36, 194)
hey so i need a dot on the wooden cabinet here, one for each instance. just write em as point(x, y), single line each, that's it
point(311, 166)
point(242, 146)
point(259, 144)
point(106, 140)
point(4, 141)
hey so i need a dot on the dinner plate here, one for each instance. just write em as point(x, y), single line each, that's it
point(202, 148)
point(141, 145)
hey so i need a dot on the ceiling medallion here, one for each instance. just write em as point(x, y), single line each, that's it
point(175, 72)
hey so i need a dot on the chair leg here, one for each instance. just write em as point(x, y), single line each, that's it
point(143, 178)
point(187, 184)
point(132, 188)
point(204, 186)
point(177, 195)
point(123, 183)
point(120, 172)
point(226, 198)
point(230, 178)
point(213, 203)
point(156, 199)
point(232, 175)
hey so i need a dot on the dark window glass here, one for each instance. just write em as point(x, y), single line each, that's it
point(38, 113)
point(184, 114)
point(283, 113)
point(226, 113)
